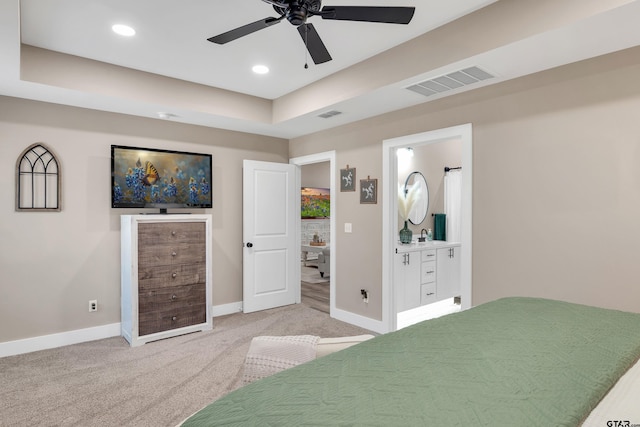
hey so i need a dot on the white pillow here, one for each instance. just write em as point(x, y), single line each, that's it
point(329, 345)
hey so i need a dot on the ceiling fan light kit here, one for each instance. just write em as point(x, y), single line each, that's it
point(298, 11)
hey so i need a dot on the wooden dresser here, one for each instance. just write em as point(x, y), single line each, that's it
point(166, 276)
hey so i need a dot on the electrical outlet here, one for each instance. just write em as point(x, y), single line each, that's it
point(93, 305)
point(365, 295)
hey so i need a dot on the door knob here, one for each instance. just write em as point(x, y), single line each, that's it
point(249, 244)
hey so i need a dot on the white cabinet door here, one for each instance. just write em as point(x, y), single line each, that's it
point(407, 280)
point(448, 272)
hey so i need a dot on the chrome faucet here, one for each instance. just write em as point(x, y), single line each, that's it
point(422, 238)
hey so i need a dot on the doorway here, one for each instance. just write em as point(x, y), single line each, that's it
point(318, 171)
point(390, 212)
point(315, 236)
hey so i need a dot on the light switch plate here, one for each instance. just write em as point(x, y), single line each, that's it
point(347, 227)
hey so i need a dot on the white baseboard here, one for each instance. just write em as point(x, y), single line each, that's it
point(224, 309)
point(355, 319)
point(28, 345)
point(12, 348)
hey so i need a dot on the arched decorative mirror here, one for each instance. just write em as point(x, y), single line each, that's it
point(421, 204)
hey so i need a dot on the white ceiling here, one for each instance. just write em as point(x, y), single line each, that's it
point(171, 40)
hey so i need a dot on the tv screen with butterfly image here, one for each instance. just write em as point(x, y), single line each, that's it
point(165, 179)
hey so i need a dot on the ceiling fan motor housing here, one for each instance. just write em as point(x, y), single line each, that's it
point(299, 10)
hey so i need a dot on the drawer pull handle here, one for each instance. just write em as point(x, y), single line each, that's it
point(174, 318)
point(173, 297)
point(173, 233)
point(173, 253)
point(174, 275)
point(430, 272)
point(430, 293)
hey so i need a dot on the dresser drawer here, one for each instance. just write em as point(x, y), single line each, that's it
point(428, 255)
point(428, 293)
point(428, 272)
point(174, 297)
point(179, 253)
point(159, 321)
point(170, 232)
point(162, 276)
point(171, 308)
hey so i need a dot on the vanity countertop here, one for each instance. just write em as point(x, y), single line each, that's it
point(418, 246)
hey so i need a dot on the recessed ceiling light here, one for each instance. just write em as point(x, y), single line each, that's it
point(260, 69)
point(123, 30)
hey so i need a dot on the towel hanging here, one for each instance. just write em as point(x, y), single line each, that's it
point(439, 226)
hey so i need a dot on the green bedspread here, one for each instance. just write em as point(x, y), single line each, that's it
point(511, 362)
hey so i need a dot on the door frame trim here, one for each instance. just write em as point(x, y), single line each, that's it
point(390, 212)
point(329, 156)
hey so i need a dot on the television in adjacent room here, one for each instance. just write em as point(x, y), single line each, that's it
point(315, 202)
point(164, 179)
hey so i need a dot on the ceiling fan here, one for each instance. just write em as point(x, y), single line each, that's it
point(297, 12)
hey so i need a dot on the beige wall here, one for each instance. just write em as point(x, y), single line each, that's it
point(556, 185)
point(53, 263)
point(315, 175)
point(556, 193)
point(430, 160)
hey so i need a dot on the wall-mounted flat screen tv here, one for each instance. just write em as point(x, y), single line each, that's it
point(165, 179)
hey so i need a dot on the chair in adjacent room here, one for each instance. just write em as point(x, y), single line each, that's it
point(324, 258)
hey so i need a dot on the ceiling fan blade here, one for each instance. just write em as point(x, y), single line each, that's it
point(386, 14)
point(244, 30)
point(315, 46)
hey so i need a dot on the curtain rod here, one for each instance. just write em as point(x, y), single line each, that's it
point(447, 168)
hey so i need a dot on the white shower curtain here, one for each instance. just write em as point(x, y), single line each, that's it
point(452, 203)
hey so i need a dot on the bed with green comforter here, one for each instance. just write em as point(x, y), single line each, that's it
point(510, 362)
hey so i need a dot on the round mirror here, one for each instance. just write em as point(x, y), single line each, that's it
point(418, 212)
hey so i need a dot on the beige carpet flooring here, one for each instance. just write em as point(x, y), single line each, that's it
point(108, 383)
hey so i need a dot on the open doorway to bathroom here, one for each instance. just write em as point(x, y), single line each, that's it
point(436, 224)
point(404, 281)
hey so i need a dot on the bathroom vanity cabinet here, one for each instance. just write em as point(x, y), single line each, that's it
point(426, 273)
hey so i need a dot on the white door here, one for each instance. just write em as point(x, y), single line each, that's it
point(271, 253)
